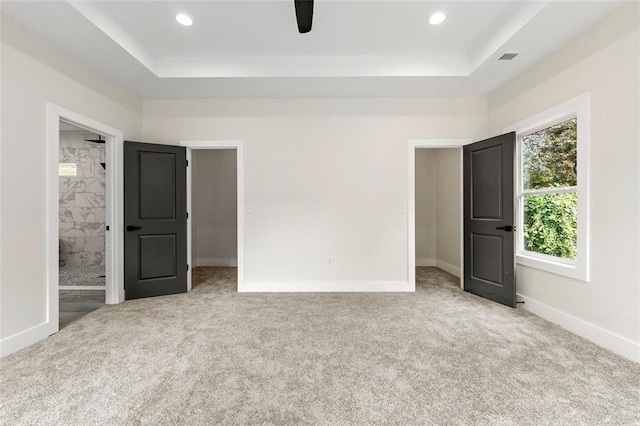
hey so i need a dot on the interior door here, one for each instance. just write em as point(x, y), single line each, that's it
point(489, 256)
point(155, 214)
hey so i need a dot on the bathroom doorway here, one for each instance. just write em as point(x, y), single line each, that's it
point(82, 225)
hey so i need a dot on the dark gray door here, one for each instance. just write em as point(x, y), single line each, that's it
point(155, 215)
point(488, 219)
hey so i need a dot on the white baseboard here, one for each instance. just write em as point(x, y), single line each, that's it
point(25, 338)
point(601, 337)
point(425, 262)
point(216, 262)
point(453, 270)
point(324, 287)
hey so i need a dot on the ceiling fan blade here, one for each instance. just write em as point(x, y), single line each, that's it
point(304, 15)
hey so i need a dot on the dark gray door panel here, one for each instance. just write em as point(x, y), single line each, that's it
point(489, 256)
point(156, 221)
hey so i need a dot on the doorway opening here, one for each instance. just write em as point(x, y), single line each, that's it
point(437, 214)
point(435, 210)
point(214, 217)
point(57, 251)
point(82, 221)
point(487, 256)
point(215, 223)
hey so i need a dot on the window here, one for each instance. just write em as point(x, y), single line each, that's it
point(549, 193)
point(67, 169)
point(552, 177)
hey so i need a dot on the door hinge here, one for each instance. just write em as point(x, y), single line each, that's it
point(187, 266)
point(187, 163)
point(187, 215)
point(107, 227)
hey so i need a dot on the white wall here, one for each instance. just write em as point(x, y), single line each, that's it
point(324, 178)
point(426, 204)
point(34, 73)
point(448, 210)
point(214, 207)
point(604, 62)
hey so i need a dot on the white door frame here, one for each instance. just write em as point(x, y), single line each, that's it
point(238, 145)
point(114, 199)
point(411, 196)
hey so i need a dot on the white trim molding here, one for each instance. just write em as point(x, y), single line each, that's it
point(25, 338)
point(238, 145)
point(414, 144)
point(425, 262)
point(453, 270)
point(577, 107)
point(324, 286)
point(601, 337)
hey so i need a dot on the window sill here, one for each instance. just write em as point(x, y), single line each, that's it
point(570, 270)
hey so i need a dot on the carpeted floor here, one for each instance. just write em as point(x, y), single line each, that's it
point(439, 356)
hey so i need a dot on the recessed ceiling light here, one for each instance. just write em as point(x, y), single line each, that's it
point(437, 18)
point(184, 19)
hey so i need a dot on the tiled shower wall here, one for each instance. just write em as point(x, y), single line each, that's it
point(82, 198)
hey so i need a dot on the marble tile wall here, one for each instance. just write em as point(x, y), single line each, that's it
point(82, 198)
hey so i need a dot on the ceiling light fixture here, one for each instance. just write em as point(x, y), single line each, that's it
point(184, 19)
point(437, 18)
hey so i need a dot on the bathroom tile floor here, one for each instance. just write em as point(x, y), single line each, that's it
point(75, 304)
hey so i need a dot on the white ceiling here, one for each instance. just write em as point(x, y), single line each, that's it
point(355, 49)
point(263, 28)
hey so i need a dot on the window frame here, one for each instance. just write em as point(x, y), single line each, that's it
point(577, 108)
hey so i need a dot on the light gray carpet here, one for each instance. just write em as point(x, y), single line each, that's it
point(439, 356)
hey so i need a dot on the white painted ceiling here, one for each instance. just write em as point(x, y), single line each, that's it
point(356, 48)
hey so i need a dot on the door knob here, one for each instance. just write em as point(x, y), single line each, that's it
point(132, 228)
point(507, 228)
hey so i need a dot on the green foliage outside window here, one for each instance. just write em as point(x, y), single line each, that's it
point(550, 161)
point(550, 224)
